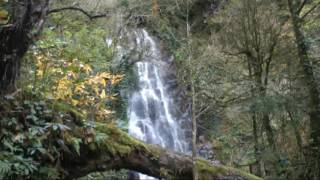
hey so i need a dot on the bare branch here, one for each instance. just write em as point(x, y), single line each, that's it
point(244, 52)
point(302, 6)
point(311, 10)
point(90, 16)
point(202, 111)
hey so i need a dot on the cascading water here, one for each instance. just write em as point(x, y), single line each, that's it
point(152, 107)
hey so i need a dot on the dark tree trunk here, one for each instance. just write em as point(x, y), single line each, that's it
point(257, 170)
point(27, 17)
point(296, 130)
point(261, 91)
point(312, 86)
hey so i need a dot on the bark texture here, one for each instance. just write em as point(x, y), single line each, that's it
point(27, 19)
point(120, 151)
point(313, 88)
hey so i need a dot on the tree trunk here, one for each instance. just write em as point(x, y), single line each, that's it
point(296, 131)
point(269, 131)
point(312, 86)
point(15, 38)
point(255, 131)
point(120, 151)
point(261, 90)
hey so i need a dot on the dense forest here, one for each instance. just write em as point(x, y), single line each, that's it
point(160, 89)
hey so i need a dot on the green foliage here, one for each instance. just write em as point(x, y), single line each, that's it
point(127, 85)
point(121, 174)
point(5, 168)
point(124, 3)
point(76, 144)
point(28, 139)
point(72, 50)
point(34, 138)
point(70, 58)
point(100, 138)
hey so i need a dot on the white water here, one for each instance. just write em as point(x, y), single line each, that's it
point(151, 110)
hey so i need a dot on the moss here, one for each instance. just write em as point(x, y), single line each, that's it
point(206, 170)
point(164, 172)
point(121, 144)
point(242, 173)
point(92, 146)
point(118, 142)
point(63, 107)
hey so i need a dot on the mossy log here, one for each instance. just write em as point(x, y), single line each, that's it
point(120, 151)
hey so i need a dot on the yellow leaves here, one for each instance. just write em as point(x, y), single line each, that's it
point(116, 79)
point(77, 83)
point(74, 102)
point(103, 94)
point(96, 80)
point(88, 92)
point(63, 89)
point(3, 14)
point(105, 112)
point(113, 97)
point(40, 73)
point(110, 77)
point(86, 68)
point(79, 89)
point(71, 74)
point(41, 65)
point(104, 75)
point(102, 80)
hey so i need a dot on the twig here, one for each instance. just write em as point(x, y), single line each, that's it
point(308, 12)
point(90, 16)
point(301, 6)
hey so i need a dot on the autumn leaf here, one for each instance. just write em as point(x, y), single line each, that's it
point(79, 89)
point(116, 79)
point(75, 102)
point(103, 94)
point(105, 75)
point(87, 69)
point(3, 14)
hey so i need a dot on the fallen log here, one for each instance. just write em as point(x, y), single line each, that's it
point(120, 151)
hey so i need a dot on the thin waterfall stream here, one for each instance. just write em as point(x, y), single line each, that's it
point(152, 107)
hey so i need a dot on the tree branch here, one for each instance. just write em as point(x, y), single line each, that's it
point(310, 11)
point(90, 16)
point(202, 111)
point(302, 6)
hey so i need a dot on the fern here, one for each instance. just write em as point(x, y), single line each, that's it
point(100, 138)
point(49, 173)
point(76, 144)
point(5, 168)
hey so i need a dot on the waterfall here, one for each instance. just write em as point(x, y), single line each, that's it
point(152, 109)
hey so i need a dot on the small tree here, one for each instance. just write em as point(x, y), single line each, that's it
point(252, 32)
point(296, 7)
